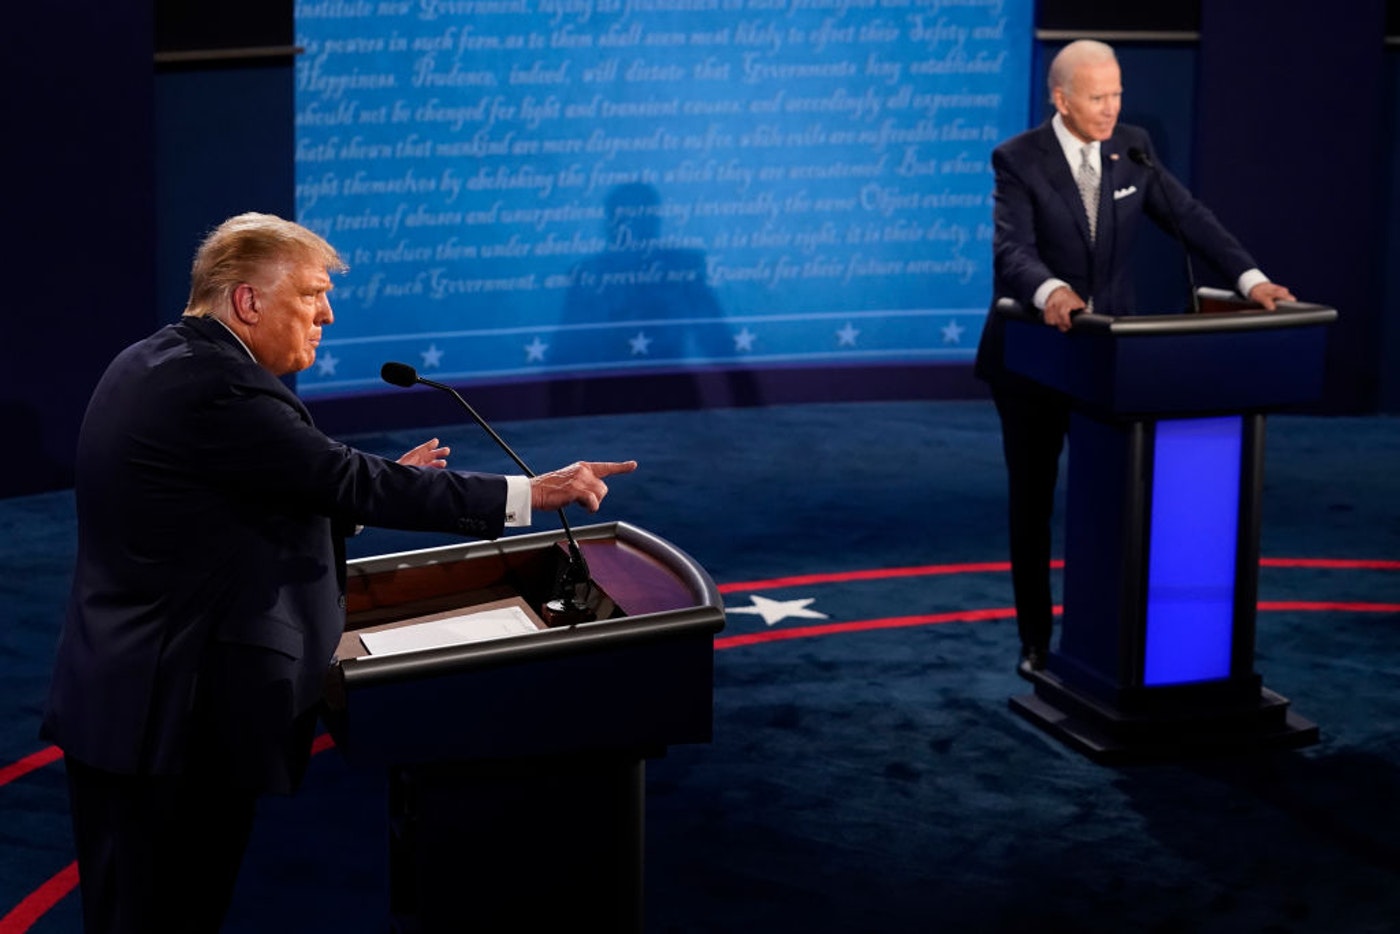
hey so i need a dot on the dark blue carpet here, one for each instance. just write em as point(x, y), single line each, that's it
point(873, 781)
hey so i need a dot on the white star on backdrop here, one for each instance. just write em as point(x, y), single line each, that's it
point(432, 357)
point(744, 339)
point(325, 364)
point(534, 351)
point(640, 344)
point(952, 333)
point(846, 337)
point(774, 611)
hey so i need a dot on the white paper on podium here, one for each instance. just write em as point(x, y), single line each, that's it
point(453, 630)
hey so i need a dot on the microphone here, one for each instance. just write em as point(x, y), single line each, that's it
point(565, 608)
point(1143, 159)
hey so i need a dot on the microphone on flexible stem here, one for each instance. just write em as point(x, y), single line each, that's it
point(564, 609)
point(1143, 159)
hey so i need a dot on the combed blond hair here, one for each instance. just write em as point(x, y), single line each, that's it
point(234, 251)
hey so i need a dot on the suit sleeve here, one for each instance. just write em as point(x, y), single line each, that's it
point(1170, 205)
point(259, 445)
point(1016, 254)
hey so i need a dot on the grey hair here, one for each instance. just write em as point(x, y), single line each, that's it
point(1072, 57)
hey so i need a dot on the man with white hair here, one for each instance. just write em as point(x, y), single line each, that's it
point(1071, 195)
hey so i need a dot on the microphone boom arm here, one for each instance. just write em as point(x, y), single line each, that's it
point(576, 572)
point(1143, 159)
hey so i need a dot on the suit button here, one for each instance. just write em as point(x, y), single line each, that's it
point(340, 601)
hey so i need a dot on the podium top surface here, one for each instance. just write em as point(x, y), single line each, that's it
point(1288, 315)
point(1218, 315)
point(1231, 357)
point(635, 680)
point(659, 592)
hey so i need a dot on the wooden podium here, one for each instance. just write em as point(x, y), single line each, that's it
point(1166, 457)
point(516, 765)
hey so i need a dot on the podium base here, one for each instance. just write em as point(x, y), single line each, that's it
point(524, 845)
point(1114, 737)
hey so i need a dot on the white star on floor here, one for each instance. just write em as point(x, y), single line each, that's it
point(744, 340)
point(432, 357)
point(535, 351)
point(640, 344)
point(952, 333)
point(846, 337)
point(774, 611)
point(325, 364)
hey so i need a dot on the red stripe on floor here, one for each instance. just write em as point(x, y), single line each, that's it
point(38, 902)
point(29, 763)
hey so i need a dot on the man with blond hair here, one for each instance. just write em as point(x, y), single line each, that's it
point(1070, 198)
point(208, 592)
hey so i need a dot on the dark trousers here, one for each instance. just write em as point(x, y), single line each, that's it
point(156, 854)
point(1034, 423)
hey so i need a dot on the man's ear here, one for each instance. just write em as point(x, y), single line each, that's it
point(245, 304)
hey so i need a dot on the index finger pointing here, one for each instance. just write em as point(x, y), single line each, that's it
point(609, 468)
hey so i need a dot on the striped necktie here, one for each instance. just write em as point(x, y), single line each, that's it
point(1088, 181)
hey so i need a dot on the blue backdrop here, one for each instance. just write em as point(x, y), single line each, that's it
point(571, 187)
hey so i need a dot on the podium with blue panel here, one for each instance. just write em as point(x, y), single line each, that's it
point(1165, 475)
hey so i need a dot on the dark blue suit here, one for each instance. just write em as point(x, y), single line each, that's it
point(1042, 232)
point(207, 594)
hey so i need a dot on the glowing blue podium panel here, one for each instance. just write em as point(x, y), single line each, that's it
point(1165, 472)
point(1193, 544)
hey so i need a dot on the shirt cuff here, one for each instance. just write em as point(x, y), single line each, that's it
point(1042, 294)
point(517, 501)
point(1248, 280)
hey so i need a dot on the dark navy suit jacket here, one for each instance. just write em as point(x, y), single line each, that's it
point(207, 597)
point(1042, 231)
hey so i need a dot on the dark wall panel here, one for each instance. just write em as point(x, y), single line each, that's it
point(1390, 244)
point(1295, 164)
point(77, 114)
point(223, 146)
point(1115, 15)
point(185, 25)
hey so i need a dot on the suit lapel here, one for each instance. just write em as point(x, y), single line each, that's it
point(1061, 178)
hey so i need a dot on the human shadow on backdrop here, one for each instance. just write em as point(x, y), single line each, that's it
point(647, 296)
